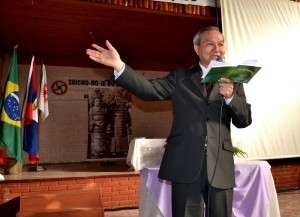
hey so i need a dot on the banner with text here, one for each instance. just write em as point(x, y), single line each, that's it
point(73, 88)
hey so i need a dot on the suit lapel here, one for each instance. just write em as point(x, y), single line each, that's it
point(196, 79)
point(214, 92)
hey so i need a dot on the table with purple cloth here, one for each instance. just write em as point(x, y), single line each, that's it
point(254, 193)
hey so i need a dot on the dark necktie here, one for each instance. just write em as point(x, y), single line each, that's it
point(209, 87)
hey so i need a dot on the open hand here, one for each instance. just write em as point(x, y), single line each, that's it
point(109, 57)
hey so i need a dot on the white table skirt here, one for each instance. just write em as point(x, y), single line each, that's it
point(145, 153)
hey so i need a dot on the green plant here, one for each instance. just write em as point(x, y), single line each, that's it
point(239, 152)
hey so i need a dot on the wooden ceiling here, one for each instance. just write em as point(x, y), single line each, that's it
point(59, 31)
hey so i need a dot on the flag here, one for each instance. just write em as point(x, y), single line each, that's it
point(30, 135)
point(3, 159)
point(10, 124)
point(43, 99)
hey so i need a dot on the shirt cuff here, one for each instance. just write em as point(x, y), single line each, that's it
point(118, 74)
point(227, 101)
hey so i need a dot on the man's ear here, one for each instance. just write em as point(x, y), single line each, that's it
point(196, 48)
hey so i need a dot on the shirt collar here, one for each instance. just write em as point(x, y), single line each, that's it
point(204, 70)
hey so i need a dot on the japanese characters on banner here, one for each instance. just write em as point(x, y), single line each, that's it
point(211, 3)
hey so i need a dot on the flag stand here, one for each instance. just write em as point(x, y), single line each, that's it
point(36, 168)
point(39, 168)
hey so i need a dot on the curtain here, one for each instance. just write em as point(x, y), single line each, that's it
point(268, 31)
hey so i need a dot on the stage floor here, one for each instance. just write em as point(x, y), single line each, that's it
point(69, 170)
point(288, 205)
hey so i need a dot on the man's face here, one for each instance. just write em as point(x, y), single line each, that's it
point(211, 47)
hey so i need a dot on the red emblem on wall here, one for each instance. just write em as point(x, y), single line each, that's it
point(59, 87)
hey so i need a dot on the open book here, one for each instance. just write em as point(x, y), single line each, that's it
point(241, 73)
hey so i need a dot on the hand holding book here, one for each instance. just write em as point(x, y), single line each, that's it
point(241, 73)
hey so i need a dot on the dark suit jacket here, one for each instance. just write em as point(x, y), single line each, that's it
point(196, 117)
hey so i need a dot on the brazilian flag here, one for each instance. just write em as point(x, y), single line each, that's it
point(10, 123)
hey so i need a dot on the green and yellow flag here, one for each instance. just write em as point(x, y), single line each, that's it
point(10, 124)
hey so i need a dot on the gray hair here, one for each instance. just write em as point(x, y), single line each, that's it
point(197, 37)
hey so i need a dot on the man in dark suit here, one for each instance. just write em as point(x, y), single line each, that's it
point(198, 159)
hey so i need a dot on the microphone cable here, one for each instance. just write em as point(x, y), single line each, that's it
point(215, 168)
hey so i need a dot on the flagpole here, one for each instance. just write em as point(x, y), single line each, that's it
point(37, 163)
point(39, 168)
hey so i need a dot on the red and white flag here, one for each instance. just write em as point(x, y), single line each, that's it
point(43, 99)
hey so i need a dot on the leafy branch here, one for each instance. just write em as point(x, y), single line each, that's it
point(239, 152)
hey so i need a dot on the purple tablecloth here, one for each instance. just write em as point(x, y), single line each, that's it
point(251, 197)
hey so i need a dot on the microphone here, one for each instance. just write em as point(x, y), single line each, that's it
point(220, 59)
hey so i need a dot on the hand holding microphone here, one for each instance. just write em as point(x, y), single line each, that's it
point(225, 85)
point(226, 88)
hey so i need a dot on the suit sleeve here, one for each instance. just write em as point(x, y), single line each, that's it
point(240, 110)
point(148, 90)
